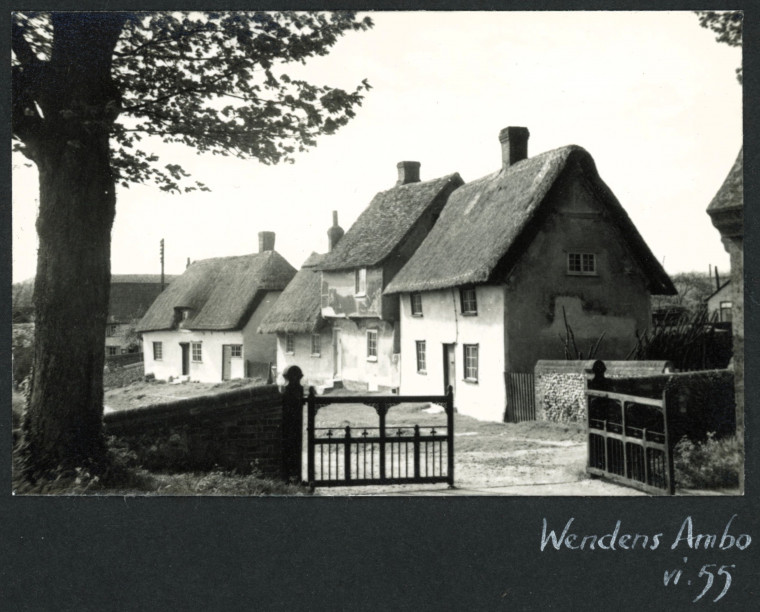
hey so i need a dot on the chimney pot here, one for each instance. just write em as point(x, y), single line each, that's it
point(266, 241)
point(335, 233)
point(408, 172)
point(514, 145)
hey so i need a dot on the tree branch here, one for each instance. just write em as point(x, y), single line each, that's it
point(22, 48)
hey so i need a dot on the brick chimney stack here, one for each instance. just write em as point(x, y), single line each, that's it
point(408, 172)
point(266, 241)
point(335, 233)
point(514, 145)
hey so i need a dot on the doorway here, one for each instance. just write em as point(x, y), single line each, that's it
point(185, 346)
point(226, 361)
point(449, 367)
point(337, 356)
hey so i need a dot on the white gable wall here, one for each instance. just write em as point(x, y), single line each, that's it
point(442, 322)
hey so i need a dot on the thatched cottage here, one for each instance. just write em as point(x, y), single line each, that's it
point(304, 336)
point(512, 256)
point(204, 326)
point(365, 342)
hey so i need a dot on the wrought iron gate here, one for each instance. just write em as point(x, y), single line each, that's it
point(628, 441)
point(346, 456)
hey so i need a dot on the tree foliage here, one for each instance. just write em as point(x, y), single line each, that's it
point(212, 81)
point(728, 27)
point(91, 94)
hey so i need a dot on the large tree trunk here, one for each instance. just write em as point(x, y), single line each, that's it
point(63, 422)
point(64, 417)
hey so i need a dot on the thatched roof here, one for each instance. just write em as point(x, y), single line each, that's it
point(388, 219)
point(731, 193)
point(485, 222)
point(221, 293)
point(297, 310)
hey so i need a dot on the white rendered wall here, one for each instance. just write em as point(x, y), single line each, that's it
point(443, 323)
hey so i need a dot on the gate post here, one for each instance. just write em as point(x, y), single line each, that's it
point(450, 432)
point(382, 409)
point(311, 411)
point(292, 425)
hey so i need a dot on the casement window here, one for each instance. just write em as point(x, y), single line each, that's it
point(316, 345)
point(471, 362)
point(371, 345)
point(236, 350)
point(112, 350)
point(416, 299)
point(360, 281)
point(112, 330)
point(290, 344)
point(581, 264)
point(421, 357)
point(158, 351)
point(726, 311)
point(469, 301)
point(196, 351)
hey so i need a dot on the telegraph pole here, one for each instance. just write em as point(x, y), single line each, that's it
point(162, 264)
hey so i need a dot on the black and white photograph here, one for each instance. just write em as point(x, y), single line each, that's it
point(383, 255)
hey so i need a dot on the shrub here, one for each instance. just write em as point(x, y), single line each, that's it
point(712, 464)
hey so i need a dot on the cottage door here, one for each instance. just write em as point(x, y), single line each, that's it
point(337, 356)
point(226, 361)
point(185, 346)
point(449, 367)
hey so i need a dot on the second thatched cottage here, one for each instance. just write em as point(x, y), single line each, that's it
point(365, 334)
point(204, 326)
point(512, 256)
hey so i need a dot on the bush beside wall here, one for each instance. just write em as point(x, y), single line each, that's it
point(238, 430)
point(560, 385)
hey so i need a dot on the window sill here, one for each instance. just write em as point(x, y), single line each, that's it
point(588, 274)
point(417, 315)
point(316, 355)
point(470, 314)
point(373, 359)
point(422, 372)
point(472, 381)
point(290, 352)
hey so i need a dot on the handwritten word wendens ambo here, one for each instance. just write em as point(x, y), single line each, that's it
point(614, 540)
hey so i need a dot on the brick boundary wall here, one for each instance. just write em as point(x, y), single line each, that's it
point(237, 430)
point(560, 385)
point(123, 376)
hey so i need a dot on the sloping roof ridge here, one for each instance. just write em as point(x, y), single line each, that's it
point(346, 255)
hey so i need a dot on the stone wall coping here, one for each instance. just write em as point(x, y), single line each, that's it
point(562, 366)
point(202, 404)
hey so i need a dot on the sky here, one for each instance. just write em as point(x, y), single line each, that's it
point(650, 95)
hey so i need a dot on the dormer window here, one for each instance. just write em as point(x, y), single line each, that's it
point(181, 315)
point(581, 264)
point(360, 281)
